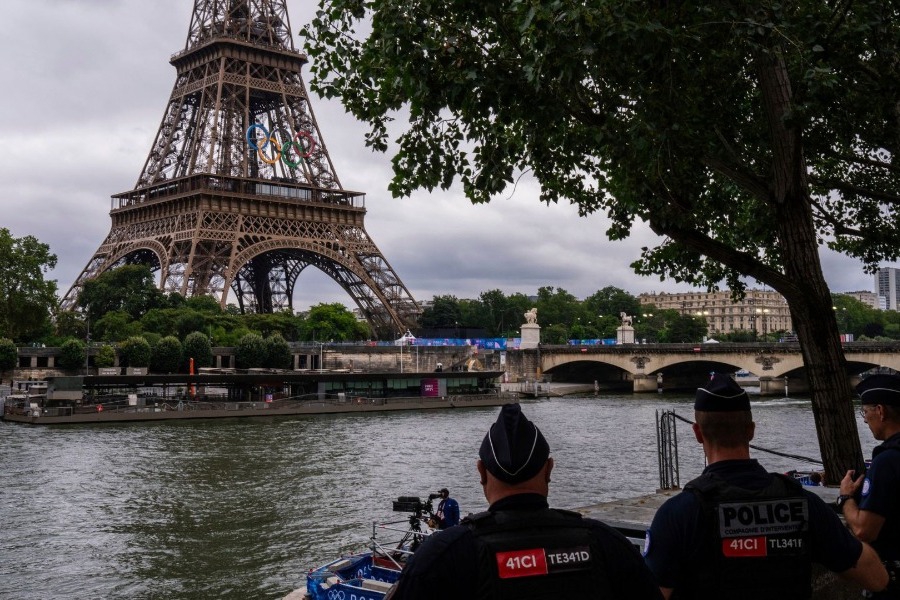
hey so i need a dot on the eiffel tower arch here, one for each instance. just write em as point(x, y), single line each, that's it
point(238, 194)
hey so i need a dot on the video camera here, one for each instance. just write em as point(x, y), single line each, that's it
point(414, 504)
point(417, 508)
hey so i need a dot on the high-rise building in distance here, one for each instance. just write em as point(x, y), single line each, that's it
point(886, 287)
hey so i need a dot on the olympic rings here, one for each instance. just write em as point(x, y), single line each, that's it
point(281, 152)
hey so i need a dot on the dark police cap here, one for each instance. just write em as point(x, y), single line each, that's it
point(880, 389)
point(722, 394)
point(514, 449)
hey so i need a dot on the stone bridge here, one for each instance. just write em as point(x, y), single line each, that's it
point(649, 367)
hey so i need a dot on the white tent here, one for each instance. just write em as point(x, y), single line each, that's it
point(407, 339)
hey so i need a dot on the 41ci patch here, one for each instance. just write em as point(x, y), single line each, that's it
point(542, 561)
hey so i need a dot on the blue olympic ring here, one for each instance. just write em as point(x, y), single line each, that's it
point(281, 150)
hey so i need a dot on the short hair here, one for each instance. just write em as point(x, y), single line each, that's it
point(891, 413)
point(725, 429)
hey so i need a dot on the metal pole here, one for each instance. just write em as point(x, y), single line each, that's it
point(87, 347)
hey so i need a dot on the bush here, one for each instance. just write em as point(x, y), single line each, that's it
point(135, 352)
point(166, 355)
point(197, 346)
point(278, 353)
point(9, 354)
point(105, 357)
point(72, 354)
point(251, 352)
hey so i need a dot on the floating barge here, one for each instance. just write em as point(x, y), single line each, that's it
point(224, 394)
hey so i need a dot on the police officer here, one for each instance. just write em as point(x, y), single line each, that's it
point(871, 502)
point(739, 532)
point(447, 511)
point(520, 548)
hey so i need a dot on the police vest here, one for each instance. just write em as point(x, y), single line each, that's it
point(755, 543)
point(537, 555)
point(888, 543)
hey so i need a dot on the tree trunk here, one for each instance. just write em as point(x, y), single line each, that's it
point(804, 285)
point(826, 368)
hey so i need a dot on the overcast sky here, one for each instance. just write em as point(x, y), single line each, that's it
point(85, 86)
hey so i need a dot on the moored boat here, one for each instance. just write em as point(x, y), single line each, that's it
point(145, 397)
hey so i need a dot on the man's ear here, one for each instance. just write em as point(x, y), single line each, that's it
point(482, 471)
point(697, 433)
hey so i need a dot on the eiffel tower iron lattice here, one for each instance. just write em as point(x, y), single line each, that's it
point(238, 192)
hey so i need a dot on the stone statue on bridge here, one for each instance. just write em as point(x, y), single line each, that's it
point(531, 331)
point(626, 319)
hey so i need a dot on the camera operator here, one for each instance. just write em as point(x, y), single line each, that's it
point(519, 547)
point(447, 513)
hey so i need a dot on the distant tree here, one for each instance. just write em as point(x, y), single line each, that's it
point(9, 354)
point(283, 323)
point(610, 301)
point(556, 306)
point(277, 353)
point(333, 322)
point(163, 321)
point(557, 333)
point(197, 346)
point(227, 334)
point(26, 299)
point(70, 324)
point(105, 357)
point(190, 320)
point(72, 354)
point(250, 353)
point(444, 313)
point(517, 305)
point(174, 300)
point(493, 307)
point(166, 355)
point(204, 304)
point(130, 289)
point(115, 326)
point(682, 329)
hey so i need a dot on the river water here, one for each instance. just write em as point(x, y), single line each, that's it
point(242, 508)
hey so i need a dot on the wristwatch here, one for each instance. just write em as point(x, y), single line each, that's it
point(841, 500)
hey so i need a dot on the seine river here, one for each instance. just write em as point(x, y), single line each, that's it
point(241, 509)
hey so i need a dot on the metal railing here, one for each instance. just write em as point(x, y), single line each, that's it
point(667, 449)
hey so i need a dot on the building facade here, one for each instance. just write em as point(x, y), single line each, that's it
point(867, 298)
point(886, 287)
point(762, 311)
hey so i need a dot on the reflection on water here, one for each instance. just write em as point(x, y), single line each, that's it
point(243, 508)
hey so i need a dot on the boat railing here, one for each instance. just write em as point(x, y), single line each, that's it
point(412, 534)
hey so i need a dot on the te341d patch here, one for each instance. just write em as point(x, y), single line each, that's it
point(542, 561)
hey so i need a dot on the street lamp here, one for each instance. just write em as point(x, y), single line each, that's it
point(842, 320)
point(763, 314)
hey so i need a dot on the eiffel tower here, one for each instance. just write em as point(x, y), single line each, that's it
point(238, 193)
